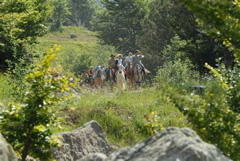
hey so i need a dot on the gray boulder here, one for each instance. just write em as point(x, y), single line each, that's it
point(6, 151)
point(89, 138)
point(94, 157)
point(172, 144)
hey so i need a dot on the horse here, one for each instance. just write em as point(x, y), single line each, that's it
point(130, 75)
point(110, 78)
point(138, 74)
point(99, 78)
point(120, 76)
point(84, 79)
point(90, 80)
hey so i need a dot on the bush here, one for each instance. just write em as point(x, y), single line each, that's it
point(177, 68)
point(27, 126)
point(214, 115)
point(77, 59)
point(176, 72)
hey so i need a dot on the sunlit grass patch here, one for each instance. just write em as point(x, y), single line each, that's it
point(122, 114)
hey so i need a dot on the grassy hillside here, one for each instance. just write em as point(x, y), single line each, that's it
point(77, 54)
point(63, 37)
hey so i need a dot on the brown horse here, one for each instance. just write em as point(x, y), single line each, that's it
point(130, 75)
point(110, 78)
point(98, 81)
point(138, 74)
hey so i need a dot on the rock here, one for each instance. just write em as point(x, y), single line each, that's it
point(72, 36)
point(89, 138)
point(29, 158)
point(173, 144)
point(6, 151)
point(94, 157)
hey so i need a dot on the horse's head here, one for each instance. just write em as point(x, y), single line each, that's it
point(120, 68)
point(99, 73)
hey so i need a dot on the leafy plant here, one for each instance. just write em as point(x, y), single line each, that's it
point(27, 126)
point(153, 124)
point(212, 117)
point(229, 80)
point(22, 21)
point(16, 77)
point(177, 68)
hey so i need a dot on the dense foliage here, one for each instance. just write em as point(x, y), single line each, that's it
point(119, 23)
point(83, 12)
point(220, 19)
point(60, 14)
point(27, 126)
point(21, 21)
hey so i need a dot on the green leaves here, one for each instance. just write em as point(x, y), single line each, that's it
point(21, 21)
point(119, 23)
point(211, 116)
point(60, 13)
point(220, 19)
point(27, 126)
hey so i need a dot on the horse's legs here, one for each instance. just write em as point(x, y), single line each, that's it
point(131, 83)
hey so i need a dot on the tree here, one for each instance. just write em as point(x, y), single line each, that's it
point(83, 12)
point(118, 23)
point(220, 19)
point(21, 22)
point(167, 18)
point(60, 13)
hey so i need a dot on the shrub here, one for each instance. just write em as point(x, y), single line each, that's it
point(176, 72)
point(26, 126)
point(177, 67)
point(214, 114)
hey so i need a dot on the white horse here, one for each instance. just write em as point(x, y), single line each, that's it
point(120, 77)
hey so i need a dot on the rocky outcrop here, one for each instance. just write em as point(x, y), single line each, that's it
point(89, 138)
point(173, 144)
point(94, 157)
point(6, 151)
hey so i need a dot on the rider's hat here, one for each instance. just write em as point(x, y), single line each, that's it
point(119, 55)
point(112, 55)
point(137, 51)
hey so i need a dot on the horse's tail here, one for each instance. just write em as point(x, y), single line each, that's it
point(124, 85)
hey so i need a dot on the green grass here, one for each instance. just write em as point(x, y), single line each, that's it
point(5, 90)
point(78, 54)
point(121, 114)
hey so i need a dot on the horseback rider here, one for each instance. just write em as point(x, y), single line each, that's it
point(91, 71)
point(119, 61)
point(128, 59)
point(111, 65)
point(137, 60)
point(90, 75)
point(100, 67)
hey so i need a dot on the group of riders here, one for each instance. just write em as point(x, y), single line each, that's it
point(113, 64)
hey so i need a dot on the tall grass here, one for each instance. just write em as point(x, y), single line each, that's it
point(121, 114)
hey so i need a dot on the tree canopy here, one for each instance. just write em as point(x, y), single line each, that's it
point(220, 19)
point(21, 22)
point(118, 23)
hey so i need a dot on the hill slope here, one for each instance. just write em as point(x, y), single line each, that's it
point(79, 53)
